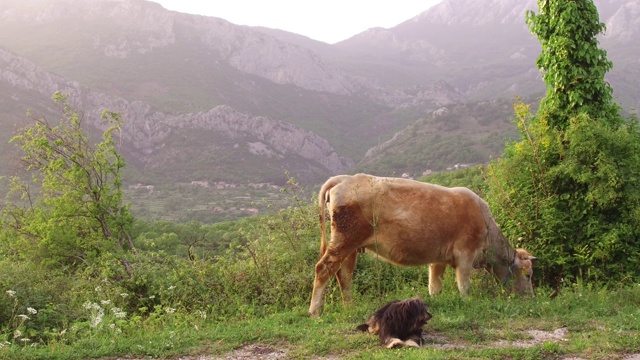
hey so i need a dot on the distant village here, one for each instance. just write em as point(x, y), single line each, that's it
point(216, 185)
point(219, 185)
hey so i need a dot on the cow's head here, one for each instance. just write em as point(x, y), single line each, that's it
point(522, 271)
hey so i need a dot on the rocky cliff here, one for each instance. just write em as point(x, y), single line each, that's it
point(147, 130)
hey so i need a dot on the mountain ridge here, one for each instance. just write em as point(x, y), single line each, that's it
point(205, 99)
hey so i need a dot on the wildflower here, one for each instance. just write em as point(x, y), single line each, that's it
point(171, 287)
point(3, 344)
point(63, 332)
point(112, 326)
point(105, 302)
point(32, 311)
point(98, 288)
point(124, 295)
point(25, 340)
point(11, 293)
point(118, 313)
point(203, 314)
point(17, 334)
point(23, 317)
point(152, 297)
point(91, 306)
point(96, 320)
point(170, 310)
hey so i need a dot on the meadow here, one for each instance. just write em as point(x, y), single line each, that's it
point(247, 297)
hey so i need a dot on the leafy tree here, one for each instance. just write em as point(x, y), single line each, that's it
point(79, 214)
point(568, 189)
point(574, 66)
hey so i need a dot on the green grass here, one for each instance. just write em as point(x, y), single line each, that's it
point(596, 323)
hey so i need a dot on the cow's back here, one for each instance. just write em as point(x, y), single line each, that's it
point(409, 222)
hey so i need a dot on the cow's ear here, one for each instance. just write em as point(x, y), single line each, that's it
point(531, 257)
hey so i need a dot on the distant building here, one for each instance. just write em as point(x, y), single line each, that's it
point(204, 184)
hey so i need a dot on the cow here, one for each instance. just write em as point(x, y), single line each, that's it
point(412, 223)
point(398, 323)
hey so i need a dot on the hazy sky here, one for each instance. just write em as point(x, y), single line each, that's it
point(325, 20)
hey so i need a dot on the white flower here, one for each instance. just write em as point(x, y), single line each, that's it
point(170, 310)
point(11, 293)
point(91, 306)
point(96, 320)
point(23, 317)
point(105, 302)
point(32, 311)
point(112, 326)
point(203, 314)
point(152, 297)
point(124, 295)
point(17, 334)
point(98, 288)
point(25, 339)
point(118, 313)
point(171, 287)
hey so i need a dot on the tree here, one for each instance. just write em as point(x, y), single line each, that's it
point(79, 213)
point(573, 65)
point(568, 188)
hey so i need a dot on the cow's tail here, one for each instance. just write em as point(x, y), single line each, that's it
point(323, 199)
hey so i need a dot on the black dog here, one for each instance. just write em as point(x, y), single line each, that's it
point(398, 323)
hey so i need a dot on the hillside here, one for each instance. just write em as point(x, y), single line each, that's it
point(207, 100)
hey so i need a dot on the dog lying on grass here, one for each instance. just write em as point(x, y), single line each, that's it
point(398, 323)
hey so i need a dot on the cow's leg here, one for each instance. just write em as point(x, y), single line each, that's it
point(345, 276)
point(436, 272)
point(328, 266)
point(463, 272)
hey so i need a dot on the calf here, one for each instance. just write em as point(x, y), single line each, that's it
point(412, 223)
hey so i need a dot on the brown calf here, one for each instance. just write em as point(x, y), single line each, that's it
point(411, 223)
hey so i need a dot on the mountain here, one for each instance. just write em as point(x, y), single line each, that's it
point(484, 48)
point(207, 100)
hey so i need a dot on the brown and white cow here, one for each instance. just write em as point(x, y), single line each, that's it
point(411, 223)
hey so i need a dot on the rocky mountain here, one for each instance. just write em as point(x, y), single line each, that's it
point(484, 48)
point(146, 132)
point(205, 99)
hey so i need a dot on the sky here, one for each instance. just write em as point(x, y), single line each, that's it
point(324, 20)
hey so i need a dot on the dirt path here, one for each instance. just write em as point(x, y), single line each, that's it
point(435, 341)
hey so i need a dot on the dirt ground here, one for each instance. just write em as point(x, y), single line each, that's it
point(267, 352)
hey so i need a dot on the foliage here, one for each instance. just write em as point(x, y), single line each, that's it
point(79, 212)
point(573, 64)
point(596, 322)
point(568, 190)
point(251, 284)
point(470, 177)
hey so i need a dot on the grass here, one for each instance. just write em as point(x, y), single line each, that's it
point(594, 323)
